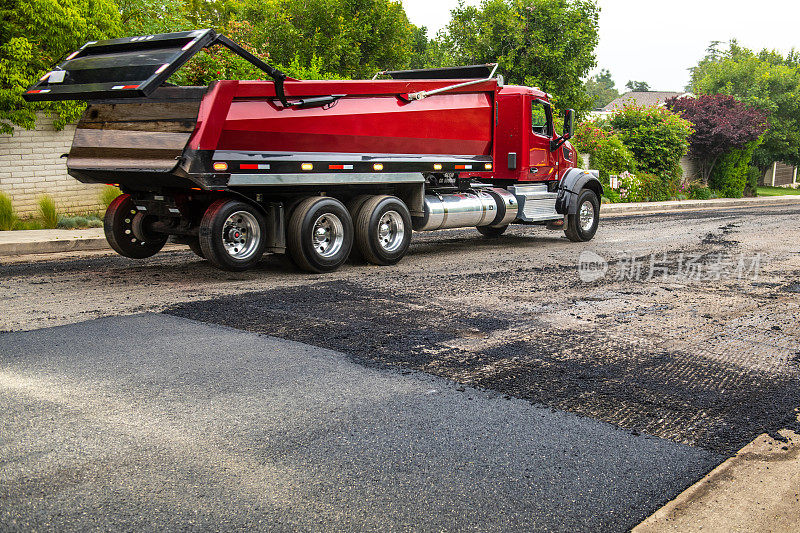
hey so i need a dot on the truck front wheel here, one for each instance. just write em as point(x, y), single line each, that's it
point(492, 232)
point(383, 230)
point(582, 226)
point(232, 235)
point(320, 234)
point(118, 225)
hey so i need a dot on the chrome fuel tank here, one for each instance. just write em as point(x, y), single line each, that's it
point(468, 209)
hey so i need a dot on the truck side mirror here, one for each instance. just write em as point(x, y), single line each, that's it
point(569, 123)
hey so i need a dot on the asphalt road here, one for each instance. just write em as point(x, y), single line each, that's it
point(683, 338)
point(152, 422)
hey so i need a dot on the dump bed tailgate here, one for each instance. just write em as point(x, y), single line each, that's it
point(136, 135)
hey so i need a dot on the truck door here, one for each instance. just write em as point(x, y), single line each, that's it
point(542, 164)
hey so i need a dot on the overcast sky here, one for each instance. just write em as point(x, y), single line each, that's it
point(657, 42)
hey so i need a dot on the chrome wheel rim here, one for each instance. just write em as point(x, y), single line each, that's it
point(241, 235)
point(327, 235)
point(391, 231)
point(586, 215)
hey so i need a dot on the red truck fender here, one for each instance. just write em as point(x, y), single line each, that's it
point(573, 182)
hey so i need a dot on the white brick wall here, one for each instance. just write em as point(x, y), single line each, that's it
point(31, 166)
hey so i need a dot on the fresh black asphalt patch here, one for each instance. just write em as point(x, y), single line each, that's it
point(156, 422)
point(671, 394)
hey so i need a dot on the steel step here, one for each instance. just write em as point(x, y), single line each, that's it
point(536, 204)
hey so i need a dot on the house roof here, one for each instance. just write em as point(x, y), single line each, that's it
point(645, 98)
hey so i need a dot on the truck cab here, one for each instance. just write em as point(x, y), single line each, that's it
point(523, 150)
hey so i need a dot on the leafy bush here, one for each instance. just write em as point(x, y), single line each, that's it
point(47, 212)
point(657, 138)
point(588, 137)
point(751, 187)
point(730, 174)
point(7, 216)
point(653, 188)
point(612, 157)
point(629, 189)
point(108, 194)
point(606, 151)
point(698, 191)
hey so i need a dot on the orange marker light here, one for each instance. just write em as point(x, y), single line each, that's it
point(307, 166)
point(488, 166)
point(220, 166)
point(377, 166)
point(437, 166)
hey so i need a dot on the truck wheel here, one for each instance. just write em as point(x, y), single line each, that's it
point(491, 232)
point(320, 234)
point(232, 234)
point(194, 245)
point(118, 227)
point(582, 226)
point(353, 206)
point(383, 230)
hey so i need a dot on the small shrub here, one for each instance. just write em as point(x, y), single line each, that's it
point(699, 192)
point(67, 223)
point(47, 212)
point(79, 222)
point(27, 223)
point(7, 216)
point(751, 187)
point(654, 188)
point(108, 194)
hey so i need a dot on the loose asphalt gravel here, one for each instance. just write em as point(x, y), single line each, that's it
point(691, 334)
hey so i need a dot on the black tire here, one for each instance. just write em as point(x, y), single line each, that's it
point(118, 227)
point(383, 230)
point(194, 245)
point(232, 235)
point(320, 252)
point(578, 231)
point(354, 206)
point(491, 232)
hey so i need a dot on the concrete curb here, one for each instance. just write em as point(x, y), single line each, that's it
point(51, 241)
point(54, 241)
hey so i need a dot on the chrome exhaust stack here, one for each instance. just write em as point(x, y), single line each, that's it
point(468, 209)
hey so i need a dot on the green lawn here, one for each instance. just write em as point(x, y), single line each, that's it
point(776, 191)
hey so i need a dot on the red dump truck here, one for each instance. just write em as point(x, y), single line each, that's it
point(313, 168)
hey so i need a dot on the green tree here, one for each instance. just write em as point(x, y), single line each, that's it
point(34, 36)
point(637, 86)
point(146, 17)
point(601, 89)
point(767, 81)
point(351, 38)
point(544, 43)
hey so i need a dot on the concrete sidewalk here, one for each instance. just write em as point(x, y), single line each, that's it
point(758, 489)
point(59, 240)
point(643, 208)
